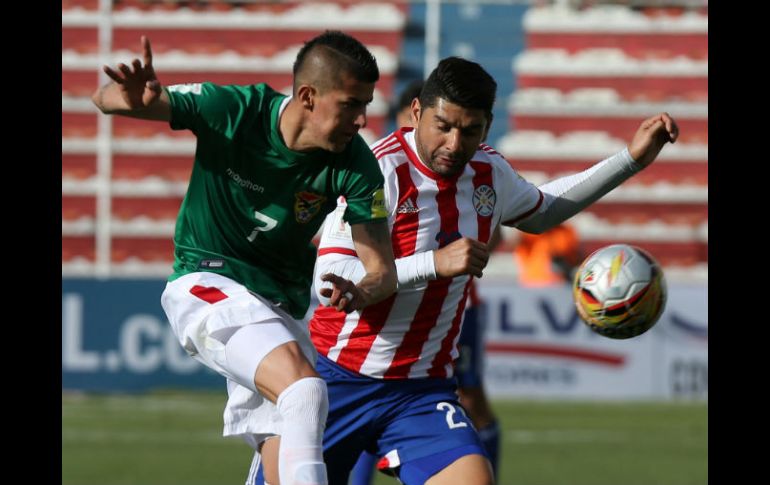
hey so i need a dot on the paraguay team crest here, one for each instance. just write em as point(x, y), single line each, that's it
point(484, 199)
point(307, 205)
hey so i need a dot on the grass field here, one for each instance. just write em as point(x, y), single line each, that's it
point(175, 438)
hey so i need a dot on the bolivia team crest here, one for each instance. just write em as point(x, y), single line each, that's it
point(307, 205)
point(484, 199)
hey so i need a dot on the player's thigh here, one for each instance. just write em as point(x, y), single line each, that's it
point(222, 324)
point(355, 405)
point(466, 470)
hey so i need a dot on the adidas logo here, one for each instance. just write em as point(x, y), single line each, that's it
point(407, 208)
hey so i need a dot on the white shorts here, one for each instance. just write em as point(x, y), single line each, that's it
point(206, 312)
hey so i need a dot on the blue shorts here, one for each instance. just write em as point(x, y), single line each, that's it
point(416, 424)
point(469, 367)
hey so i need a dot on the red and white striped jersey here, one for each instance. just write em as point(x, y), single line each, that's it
point(413, 334)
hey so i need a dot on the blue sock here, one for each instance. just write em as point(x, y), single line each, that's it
point(490, 438)
point(259, 480)
point(364, 470)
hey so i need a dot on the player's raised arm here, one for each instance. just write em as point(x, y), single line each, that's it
point(566, 196)
point(134, 91)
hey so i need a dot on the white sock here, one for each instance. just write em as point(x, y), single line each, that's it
point(304, 406)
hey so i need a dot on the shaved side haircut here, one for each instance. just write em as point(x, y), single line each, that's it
point(323, 59)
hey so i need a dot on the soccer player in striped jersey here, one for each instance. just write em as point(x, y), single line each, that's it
point(389, 367)
point(470, 362)
point(267, 168)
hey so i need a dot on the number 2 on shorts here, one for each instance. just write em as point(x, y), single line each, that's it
point(450, 411)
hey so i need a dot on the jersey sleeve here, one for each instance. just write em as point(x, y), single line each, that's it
point(363, 187)
point(520, 198)
point(336, 236)
point(336, 252)
point(201, 107)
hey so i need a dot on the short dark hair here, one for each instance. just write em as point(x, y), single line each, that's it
point(411, 91)
point(461, 82)
point(404, 100)
point(340, 53)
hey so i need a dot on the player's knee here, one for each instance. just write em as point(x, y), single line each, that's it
point(282, 367)
point(250, 348)
point(305, 400)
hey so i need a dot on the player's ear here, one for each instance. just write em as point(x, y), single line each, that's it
point(415, 111)
point(306, 95)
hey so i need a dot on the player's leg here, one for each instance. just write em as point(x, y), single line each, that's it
point(469, 370)
point(269, 469)
point(475, 402)
point(348, 393)
point(256, 474)
point(284, 375)
point(429, 434)
point(265, 355)
point(470, 469)
point(281, 368)
point(461, 465)
point(355, 409)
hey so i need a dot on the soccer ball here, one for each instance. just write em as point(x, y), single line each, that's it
point(619, 291)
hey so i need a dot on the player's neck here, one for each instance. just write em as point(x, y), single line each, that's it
point(291, 127)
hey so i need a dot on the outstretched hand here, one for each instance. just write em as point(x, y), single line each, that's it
point(652, 134)
point(344, 295)
point(138, 84)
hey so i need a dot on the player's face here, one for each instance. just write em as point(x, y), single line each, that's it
point(447, 135)
point(340, 112)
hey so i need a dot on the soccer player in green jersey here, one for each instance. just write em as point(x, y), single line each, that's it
point(267, 170)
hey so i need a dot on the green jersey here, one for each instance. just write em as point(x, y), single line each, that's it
point(253, 205)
